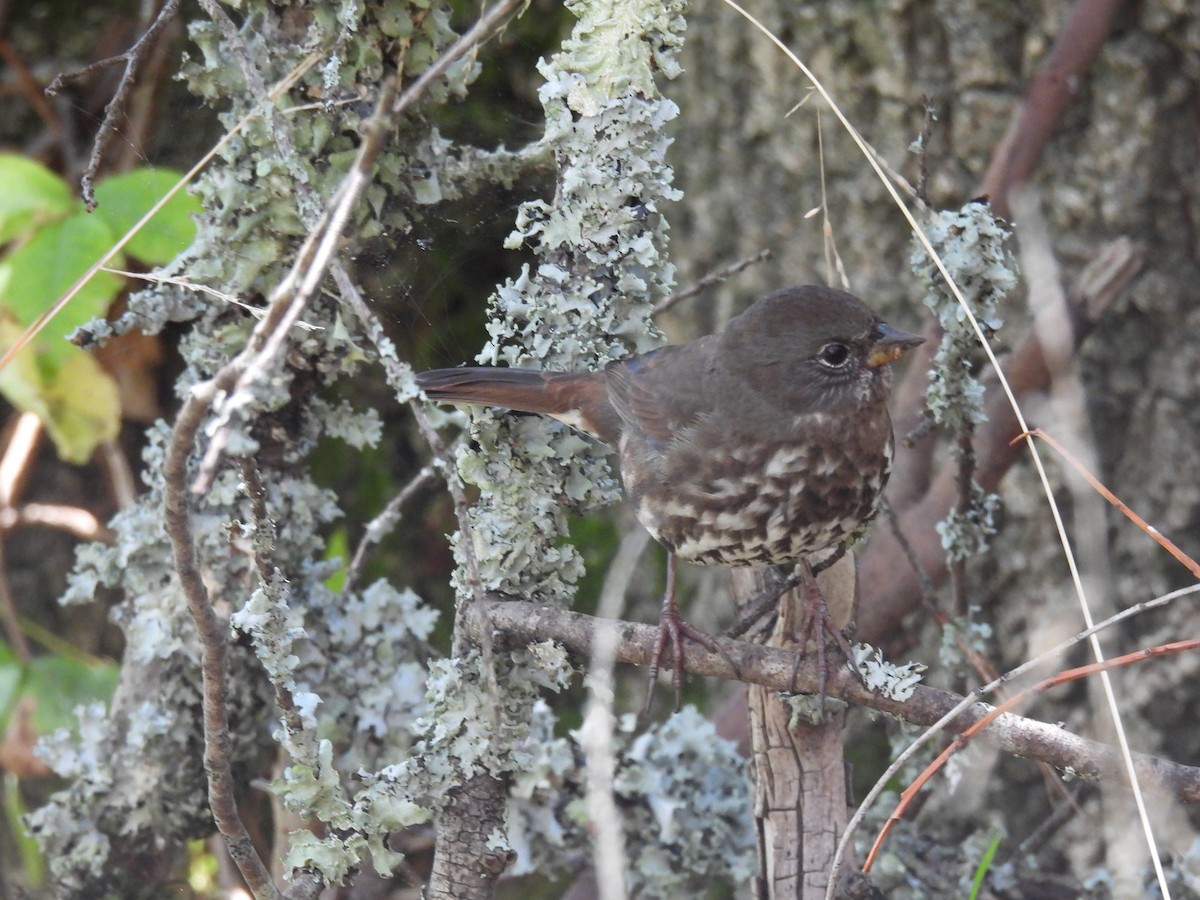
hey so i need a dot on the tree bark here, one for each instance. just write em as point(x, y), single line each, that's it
point(465, 868)
point(799, 771)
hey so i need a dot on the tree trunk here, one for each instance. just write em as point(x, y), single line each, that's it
point(799, 771)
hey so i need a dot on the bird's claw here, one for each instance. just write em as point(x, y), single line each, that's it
point(673, 630)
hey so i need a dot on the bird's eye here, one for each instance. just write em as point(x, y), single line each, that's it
point(834, 355)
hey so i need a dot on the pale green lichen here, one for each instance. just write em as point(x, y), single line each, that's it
point(971, 244)
point(381, 743)
point(601, 268)
point(961, 635)
point(354, 674)
point(886, 678)
point(684, 798)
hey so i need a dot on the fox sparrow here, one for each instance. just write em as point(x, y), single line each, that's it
point(760, 445)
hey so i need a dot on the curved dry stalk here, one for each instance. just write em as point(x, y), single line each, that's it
point(967, 702)
point(907, 795)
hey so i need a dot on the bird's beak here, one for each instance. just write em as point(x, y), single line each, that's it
point(890, 344)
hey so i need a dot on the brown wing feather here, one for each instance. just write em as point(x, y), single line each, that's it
point(639, 387)
point(579, 399)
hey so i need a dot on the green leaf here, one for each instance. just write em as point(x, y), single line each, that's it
point(985, 863)
point(85, 408)
point(338, 548)
point(30, 196)
point(40, 271)
point(59, 684)
point(75, 399)
point(123, 199)
point(11, 672)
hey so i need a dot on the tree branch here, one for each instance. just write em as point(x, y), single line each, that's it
point(1033, 122)
point(518, 623)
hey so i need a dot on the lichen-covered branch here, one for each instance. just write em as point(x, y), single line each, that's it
point(891, 586)
point(136, 789)
point(781, 671)
point(600, 242)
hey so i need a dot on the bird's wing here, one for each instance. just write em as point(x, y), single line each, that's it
point(662, 393)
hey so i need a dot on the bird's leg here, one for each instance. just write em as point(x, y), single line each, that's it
point(764, 604)
point(820, 626)
point(672, 629)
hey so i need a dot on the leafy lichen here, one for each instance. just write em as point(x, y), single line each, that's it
point(971, 244)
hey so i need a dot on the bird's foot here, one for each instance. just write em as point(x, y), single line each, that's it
point(673, 630)
point(820, 627)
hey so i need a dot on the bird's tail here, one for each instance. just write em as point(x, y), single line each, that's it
point(578, 399)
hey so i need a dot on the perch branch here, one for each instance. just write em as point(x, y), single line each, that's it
point(518, 623)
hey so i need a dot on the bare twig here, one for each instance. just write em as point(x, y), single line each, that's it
point(21, 439)
point(975, 728)
point(73, 519)
point(711, 279)
point(383, 523)
point(489, 24)
point(116, 467)
point(212, 632)
point(943, 723)
point(115, 107)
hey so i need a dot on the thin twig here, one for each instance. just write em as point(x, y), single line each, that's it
point(116, 106)
point(72, 519)
point(935, 728)
point(711, 279)
point(977, 727)
point(928, 588)
point(382, 524)
point(489, 24)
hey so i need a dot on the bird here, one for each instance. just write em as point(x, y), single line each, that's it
point(766, 443)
